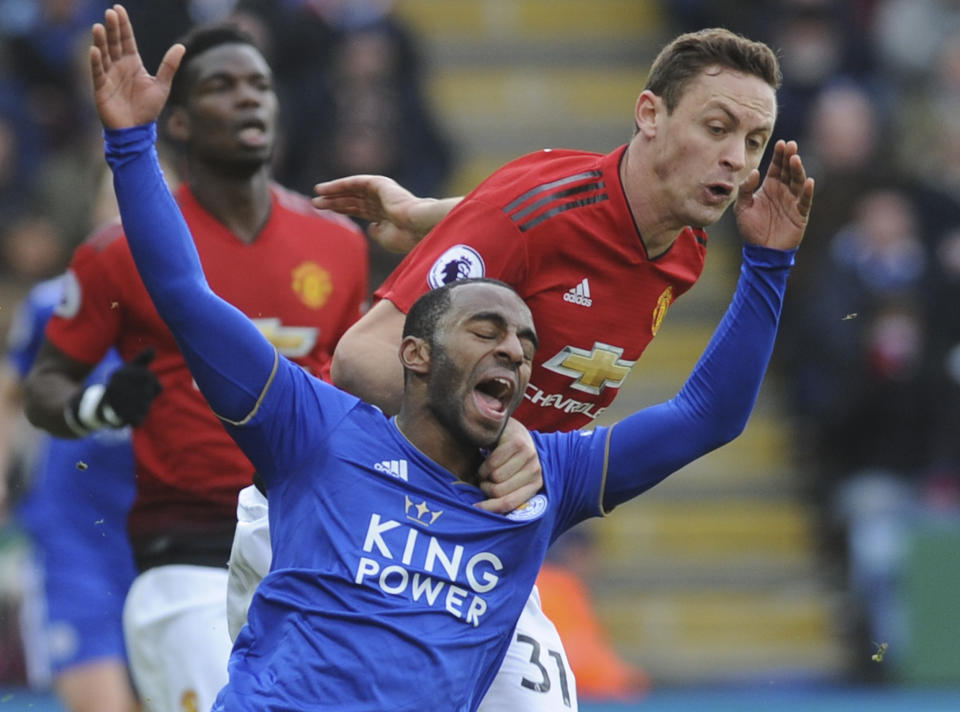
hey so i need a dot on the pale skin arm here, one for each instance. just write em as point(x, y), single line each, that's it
point(398, 219)
point(365, 363)
point(774, 213)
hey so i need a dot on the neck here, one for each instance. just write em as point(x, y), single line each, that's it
point(437, 442)
point(658, 230)
point(241, 202)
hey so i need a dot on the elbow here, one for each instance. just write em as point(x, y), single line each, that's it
point(729, 429)
point(341, 373)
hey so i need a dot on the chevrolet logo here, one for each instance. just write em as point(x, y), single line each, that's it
point(594, 370)
point(291, 341)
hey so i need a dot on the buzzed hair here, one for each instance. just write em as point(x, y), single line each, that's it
point(198, 41)
point(428, 310)
point(685, 57)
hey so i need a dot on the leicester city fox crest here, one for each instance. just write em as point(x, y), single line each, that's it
point(531, 509)
point(458, 262)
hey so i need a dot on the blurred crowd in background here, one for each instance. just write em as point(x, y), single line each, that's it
point(870, 347)
point(869, 350)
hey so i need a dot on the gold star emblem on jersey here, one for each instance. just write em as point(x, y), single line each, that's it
point(420, 512)
point(312, 283)
point(600, 367)
point(663, 303)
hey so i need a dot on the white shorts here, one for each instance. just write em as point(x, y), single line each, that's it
point(175, 625)
point(250, 556)
point(535, 675)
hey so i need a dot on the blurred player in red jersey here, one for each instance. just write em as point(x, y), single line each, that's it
point(299, 274)
point(599, 246)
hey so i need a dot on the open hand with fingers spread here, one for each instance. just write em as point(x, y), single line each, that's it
point(124, 92)
point(398, 218)
point(776, 214)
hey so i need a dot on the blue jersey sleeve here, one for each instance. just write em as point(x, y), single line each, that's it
point(714, 405)
point(230, 360)
point(574, 465)
point(25, 335)
point(294, 419)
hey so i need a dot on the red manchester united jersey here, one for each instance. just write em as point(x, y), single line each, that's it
point(556, 226)
point(303, 281)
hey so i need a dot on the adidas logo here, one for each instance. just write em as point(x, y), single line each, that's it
point(397, 468)
point(579, 294)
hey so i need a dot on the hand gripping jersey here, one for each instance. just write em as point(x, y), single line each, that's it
point(303, 281)
point(555, 225)
point(388, 588)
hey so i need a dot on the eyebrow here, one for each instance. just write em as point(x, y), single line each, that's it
point(733, 117)
point(498, 319)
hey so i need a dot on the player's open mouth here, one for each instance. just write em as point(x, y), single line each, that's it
point(493, 396)
point(252, 132)
point(717, 193)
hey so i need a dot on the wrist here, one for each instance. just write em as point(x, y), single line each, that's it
point(86, 412)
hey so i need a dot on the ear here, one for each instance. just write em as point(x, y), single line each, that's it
point(415, 355)
point(647, 113)
point(178, 125)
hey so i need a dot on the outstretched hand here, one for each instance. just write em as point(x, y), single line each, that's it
point(398, 219)
point(124, 92)
point(776, 215)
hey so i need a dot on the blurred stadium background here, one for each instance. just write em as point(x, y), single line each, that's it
point(766, 575)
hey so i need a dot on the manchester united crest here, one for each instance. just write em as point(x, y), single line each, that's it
point(312, 283)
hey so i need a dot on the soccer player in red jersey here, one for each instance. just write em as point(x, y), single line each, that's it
point(301, 275)
point(599, 246)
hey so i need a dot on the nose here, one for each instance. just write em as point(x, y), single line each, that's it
point(248, 94)
point(511, 349)
point(734, 154)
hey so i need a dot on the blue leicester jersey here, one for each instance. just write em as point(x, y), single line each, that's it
point(86, 482)
point(387, 583)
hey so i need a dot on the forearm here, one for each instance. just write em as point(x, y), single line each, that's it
point(431, 211)
point(228, 358)
point(714, 405)
point(46, 396)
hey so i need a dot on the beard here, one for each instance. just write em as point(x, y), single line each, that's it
point(446, 402)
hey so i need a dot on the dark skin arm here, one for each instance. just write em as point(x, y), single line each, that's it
point(53, 380)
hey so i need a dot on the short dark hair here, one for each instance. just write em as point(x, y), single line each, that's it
point(685, 57)
point(426, 312)
point(198, 41)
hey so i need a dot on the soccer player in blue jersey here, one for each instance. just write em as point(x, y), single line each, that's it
point(389, 588)
point(74, 512)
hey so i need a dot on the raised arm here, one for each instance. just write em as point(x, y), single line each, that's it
point(714, 405)
point(398, 219)
point(228, 357)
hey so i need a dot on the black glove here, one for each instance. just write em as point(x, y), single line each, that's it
point(124, 400)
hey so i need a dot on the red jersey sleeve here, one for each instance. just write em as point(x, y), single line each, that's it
point(87, 320)
point(474, 240)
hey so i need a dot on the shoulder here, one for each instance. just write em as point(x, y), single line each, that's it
point(538, 171)
point(106, 236)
